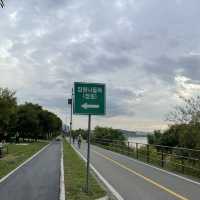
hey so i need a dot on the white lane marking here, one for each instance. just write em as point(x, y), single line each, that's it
point(62, 179)
point(106, 183)
point(159, 169)
point(25, 162)
point(179, 196)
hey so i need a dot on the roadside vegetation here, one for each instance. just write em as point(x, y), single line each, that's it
point(75, 174)
point(101, 133)
point(184, 130)
point(183, 136)
point(176, 149)
point(25, 121)
point(17, 154)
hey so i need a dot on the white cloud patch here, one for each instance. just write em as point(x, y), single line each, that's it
point(186, 87)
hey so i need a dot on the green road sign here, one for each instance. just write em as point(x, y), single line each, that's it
point(89, 98)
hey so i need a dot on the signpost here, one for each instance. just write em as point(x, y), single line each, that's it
point(89, 99)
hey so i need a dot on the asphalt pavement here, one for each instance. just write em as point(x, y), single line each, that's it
point(39, 179)
point(135, 180)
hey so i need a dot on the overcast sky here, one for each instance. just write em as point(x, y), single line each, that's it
point(146, 51)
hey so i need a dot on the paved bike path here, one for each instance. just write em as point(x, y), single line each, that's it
point(39, 179)
point(134, 180)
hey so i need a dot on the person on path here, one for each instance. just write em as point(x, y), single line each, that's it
point(73, 138)
point(79, 141)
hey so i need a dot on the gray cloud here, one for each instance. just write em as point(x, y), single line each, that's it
point(137, 48)
point(168, 67)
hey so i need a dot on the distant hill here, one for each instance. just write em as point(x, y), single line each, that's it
point(135, 133)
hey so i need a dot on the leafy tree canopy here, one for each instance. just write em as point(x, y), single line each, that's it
point(27, 120)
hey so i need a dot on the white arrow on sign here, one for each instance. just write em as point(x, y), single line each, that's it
point(86, 106)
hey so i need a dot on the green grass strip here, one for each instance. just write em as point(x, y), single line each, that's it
point(75, 176)
point(17, 154)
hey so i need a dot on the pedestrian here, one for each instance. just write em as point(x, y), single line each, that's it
point(79, 141)
point(73, 138)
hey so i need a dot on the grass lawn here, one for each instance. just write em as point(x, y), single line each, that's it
point(18, 154)
point(75, 173)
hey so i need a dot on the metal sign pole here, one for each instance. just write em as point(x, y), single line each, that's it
point(88, 153)
point(70, 137)
point(70, 101)
point(89, 99)
point(71, 124)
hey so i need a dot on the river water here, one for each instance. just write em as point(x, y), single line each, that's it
point(133, 140)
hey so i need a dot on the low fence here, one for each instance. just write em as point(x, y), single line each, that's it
point(183, 160)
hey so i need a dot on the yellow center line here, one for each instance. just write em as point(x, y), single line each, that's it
point(143, 177)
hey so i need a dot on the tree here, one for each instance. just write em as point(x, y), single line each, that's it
point(187, 113)
point(12, 132)
point(171, 136)
point(2, 3)
point(189, 136)
point(8, 105)
point(50, 124)
point(45, 123)
point(185, 131)
point(25, 121)
point(28, 120)
point(34, 122)
point(155, 138)
point(109, 134)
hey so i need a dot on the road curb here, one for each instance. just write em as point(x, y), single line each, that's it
point(62, 180)
point(101, 178)
point(24, 163)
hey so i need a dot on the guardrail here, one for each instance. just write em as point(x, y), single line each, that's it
point(183, 160)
